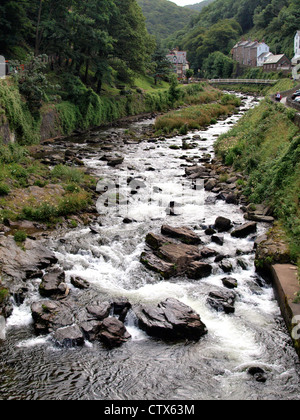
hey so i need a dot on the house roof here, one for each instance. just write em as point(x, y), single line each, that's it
point(264, 55)
point(273, 59)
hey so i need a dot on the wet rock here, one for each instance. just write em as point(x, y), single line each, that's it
point(53, 284)
point(170, 320)
point(49, 315)
point(258, 374)
point(79, 283)
point(115, 161)
point(21, 263)
point(210, 232)
point(180, 255)
point(196, 172)
point(219, 240)
point(69, 336)
point(156, 241)
point(222, 224)
point(210, 184)
point(91, 329)
point(231, 199)
point(207, 252)
point(245, 230)
point(154, 263)
point(99, 311)
point(113, 333)
point(230, 282)
point(226, 266)
point(222, 301)
point(184, 234)
point(121, 308)
point(198, 270)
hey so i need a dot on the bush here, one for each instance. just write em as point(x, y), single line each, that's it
point(4, 189)
point(67, 174)
point(20, 236)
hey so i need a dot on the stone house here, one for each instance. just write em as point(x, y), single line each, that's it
point(179, 61)
point(248, 52)
point(277, 63)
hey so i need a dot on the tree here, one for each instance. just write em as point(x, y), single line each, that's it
point(132, 43)
point(189, 73)
point(162, 66)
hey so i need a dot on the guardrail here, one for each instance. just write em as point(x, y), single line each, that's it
point(244, 81)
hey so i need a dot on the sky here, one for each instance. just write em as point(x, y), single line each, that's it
point(185, 2)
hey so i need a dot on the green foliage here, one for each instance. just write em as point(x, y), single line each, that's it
point(164, 17)
point(20, 236)
point(4, 189)
point(67, 174)
point(266, 145)
point(32, 81)
point(218, 66)
point(18, 114)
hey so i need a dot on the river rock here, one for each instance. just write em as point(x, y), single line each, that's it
point(53, 285)
point(230, 282)
point(154, 263)
point(113, 333)
point(222, 301)
point(222, 224)
point(219, 240)
point(196, 172)
point(245, 230)
point(26, 262)
point(69, 336)
point(184, 234)
point(198, 270)
point(121, 308)
point(156, 241)
point(115, 161)
point(48, 316)
point(180, 255)
point(210, 184)
point(99, 311)
point(170, 320)
point(79, 283)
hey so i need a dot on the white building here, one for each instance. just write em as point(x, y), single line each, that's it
point(263, 58)
point(296, 59)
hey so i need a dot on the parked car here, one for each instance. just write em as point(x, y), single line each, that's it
point(297, 100)
point(295, 94)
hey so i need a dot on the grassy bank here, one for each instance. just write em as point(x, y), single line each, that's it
point(30, 190)
point(265, 145)
point(197, 116)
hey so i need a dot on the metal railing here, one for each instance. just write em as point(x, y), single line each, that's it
point(244, 81)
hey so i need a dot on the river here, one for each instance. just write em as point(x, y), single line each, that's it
point(215, 368)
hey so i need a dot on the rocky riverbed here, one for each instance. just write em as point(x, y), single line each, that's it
point(155, 293)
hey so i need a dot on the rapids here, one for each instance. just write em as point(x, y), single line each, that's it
point(215, 368)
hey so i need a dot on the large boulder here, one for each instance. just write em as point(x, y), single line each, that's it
point(69, 336)
point(48, 316)
point(184, 234)
point(245, 230)
point(222, 224)
point(113, 332)
point(21, 263)
point(198, 270)
point(156, 264)
point(53, 284)
point(222, 301)
point(180, 255)
point(170, 320)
